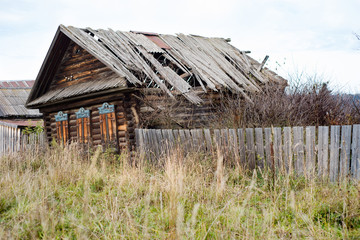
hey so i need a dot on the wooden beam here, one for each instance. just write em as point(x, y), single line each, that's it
point(263, 63)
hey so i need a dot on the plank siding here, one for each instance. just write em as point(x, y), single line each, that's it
point(77, 66)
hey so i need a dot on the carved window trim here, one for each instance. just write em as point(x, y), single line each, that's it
point(62, 127)
point(83, 125)
point(108, 128)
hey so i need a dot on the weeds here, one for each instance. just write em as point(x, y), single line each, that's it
point(67, 196)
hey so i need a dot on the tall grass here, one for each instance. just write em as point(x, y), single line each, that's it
point(65, 194)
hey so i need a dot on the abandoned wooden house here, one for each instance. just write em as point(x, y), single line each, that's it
point(13, 96)
point(14, 117)
point(97, 86)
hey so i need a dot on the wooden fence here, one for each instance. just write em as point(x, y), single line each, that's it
point(330, 152)
point(12, 139)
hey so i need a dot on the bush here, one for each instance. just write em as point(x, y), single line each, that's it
point(300, 104)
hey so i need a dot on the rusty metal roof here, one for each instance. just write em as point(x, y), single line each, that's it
point(13, 95)
point(164, 61)
point(24, 123)
point(17, 84)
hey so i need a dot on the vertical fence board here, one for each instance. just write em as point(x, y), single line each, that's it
point(161, 146)
point(268, 145)
point(278, 148)
point(345, 145)
point(334, 152)
point(182, 139)
point(176, 135)
point(208, 140)
point(310, 151)
point(224, 142)
point(217, 140)
point(200, 136)
point(298, 149)
point(233, 143)
point(188, 140)
point(259, 139)
point(195, 142)
point(323, 151)
point(355, 159)
point(288, 158)
point(241, 137)
point(250, 149)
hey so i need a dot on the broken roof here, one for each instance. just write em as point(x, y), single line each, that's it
point(172, 63)
point(13, 95)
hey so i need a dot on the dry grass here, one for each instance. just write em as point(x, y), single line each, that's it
point(61, 194)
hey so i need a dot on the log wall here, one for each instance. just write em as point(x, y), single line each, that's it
point(125, 120)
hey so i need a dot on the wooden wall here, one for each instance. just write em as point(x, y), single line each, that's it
point(160, 111)
point(78, 66)
point(125, 119)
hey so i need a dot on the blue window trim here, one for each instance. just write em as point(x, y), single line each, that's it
point(106, 108)
point(60, 116)
point(82, 113)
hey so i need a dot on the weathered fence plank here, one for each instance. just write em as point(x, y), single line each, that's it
point(259, 139)
point(355, 158)
point(278, 148)
point(242, 148)
point(288, 157)
point(234, 148)
point(345, 146)
point(250, 148)
point(323, 151)
point(334, 152)
point(268, 147)
point(208, 140)
point(298, 149)
point(310, 151)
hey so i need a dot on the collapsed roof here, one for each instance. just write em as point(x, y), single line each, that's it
point(13, 95)
point(148, 60)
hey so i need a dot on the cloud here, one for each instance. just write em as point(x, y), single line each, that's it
point(274, 27)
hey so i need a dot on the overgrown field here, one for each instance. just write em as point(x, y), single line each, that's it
point(62, 194)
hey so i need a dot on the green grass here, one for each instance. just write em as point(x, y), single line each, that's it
point(64, 195)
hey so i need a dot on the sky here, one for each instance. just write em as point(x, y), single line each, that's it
point(312, 37)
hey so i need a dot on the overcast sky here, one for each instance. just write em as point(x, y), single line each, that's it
point(315, 37)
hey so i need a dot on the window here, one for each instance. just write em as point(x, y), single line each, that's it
point(62, 127)
point(83, 125)
point(108, 125)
